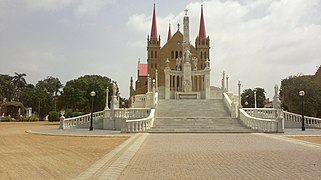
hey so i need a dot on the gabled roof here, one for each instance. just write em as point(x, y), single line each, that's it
point(142, 69)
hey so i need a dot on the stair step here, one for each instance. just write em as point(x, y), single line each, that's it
point(195, 116)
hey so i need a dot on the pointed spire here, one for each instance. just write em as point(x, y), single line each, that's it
point(202, 33)
point(153, 33)
point(169, 36)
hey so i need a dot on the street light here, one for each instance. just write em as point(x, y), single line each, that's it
point(301, 93)
point(92, 94)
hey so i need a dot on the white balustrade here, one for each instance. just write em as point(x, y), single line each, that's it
point(79, 120)
point(139, 125)
point(296, 118)
point(230, 104)
point(260, 124)
point(265, 113)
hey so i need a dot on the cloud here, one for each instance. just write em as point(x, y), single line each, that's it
point(49, 5)
point(259, 42)
point(91, 7)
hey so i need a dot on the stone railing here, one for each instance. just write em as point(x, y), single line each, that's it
point(230, 104)
point(296, 119)
point(264, 113)
point(260, 124)
point(132, 113)
point(139, 125)
point(79, 120)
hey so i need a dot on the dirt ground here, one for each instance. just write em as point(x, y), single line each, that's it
point(313, 139)
point(30, 156)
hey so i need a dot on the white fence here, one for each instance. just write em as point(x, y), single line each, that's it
point(134, 119)
point(295, 120)
point(265, 113)
point(230, 104)
point(79, 120)
point(139, 125)
point(260, 124)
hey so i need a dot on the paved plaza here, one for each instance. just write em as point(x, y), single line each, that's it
point(224, 156)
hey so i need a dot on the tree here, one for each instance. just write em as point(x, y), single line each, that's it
point(39, 100)
point(20, 82)
point(248, 96)
point(76, 93)
point(290, 99)
point(50, 84)
point(7, 89)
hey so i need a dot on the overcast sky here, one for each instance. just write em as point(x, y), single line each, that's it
point(258, 42)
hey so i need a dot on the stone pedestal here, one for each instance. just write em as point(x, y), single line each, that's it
point(187, 77)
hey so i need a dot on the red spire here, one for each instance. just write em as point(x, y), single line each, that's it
point(153, 33)
point(202, 33)
point(169, 36)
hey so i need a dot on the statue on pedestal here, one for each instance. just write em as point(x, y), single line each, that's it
point(195, 61)
point(187, 55)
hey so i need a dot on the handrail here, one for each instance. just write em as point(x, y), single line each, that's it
point(296, 118)
point(139, 125)
point(230, 104)
point(259, 124)
point(79, 120)
point(265, 113)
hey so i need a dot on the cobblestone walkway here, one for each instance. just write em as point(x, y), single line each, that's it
point(223, 156)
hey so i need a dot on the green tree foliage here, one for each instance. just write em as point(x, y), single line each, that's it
point(248, 96)
point(40, 101)
point(76, 93)
point(50, 84)
point(7, 88)
point(291, 101)
point(19, 82)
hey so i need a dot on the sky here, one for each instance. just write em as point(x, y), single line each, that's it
point(259, 42)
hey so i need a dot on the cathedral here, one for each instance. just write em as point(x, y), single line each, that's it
point(178, 69)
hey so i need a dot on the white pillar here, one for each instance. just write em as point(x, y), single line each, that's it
point(255, 105)
point(167, 83)
point(156, 79)
point(239, 104)
point(107, 91)
point(148, 83)
point(154, 92)
point(227, 83)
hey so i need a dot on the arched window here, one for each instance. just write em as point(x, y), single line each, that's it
point(176, 54)
point(172, 54)
point(151, 54)
point(155, 54)
point(201, 55)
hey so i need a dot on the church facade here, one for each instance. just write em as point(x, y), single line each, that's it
point(178, 69)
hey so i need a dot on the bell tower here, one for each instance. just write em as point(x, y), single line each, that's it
point(153, 48)
point(202, 43)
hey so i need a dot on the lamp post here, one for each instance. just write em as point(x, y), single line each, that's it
point(92, 94)
point(301, 93)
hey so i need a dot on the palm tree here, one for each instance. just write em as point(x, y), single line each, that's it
point(19, 82)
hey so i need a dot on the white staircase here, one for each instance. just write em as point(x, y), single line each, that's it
point(195, 116)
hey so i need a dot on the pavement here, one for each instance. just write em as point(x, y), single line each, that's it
point(205, 156)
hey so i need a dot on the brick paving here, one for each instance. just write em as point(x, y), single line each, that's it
point(223, 156)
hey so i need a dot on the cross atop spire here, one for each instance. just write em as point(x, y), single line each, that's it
point(202, 33)
point(153, 33)
point(185, 12)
